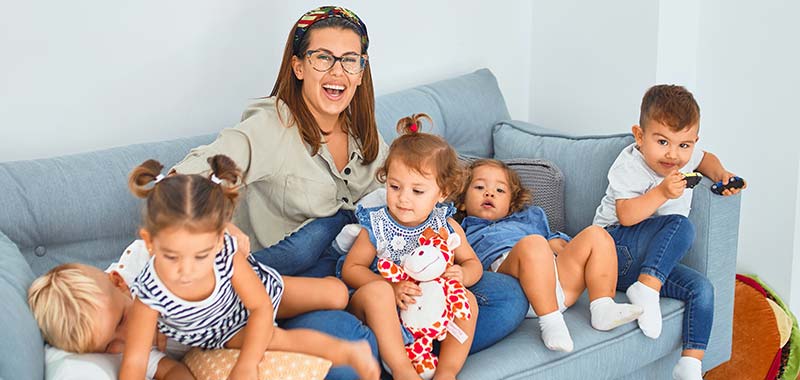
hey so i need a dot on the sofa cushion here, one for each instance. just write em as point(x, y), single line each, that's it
point(584, 160)
point(20, 333)
point(78, 208)
point(545, 180)
point(463, 110)
point(597, 354)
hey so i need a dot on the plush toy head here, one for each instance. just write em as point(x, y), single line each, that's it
point(432, 256)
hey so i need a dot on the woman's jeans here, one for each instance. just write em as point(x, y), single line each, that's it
point(308, 252)
point(655, 247)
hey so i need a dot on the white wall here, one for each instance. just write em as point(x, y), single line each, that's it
point(80, 76)
point(591, 64)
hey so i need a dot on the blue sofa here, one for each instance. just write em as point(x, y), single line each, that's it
point(78, 208)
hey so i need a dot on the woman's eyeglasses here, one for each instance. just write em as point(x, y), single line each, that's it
point(323, 60)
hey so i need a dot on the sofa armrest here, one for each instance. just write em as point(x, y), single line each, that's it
point(716, 220)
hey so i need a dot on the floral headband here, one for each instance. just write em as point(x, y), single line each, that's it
point(322, 13)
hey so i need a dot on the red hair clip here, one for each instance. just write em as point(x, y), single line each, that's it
point(413, 127)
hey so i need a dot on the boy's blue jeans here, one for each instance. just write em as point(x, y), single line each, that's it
point(655, 247)
point(308, 252)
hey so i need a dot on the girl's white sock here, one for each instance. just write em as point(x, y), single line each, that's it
point(646, 297)
point(555, 333)
point(688, 368)
point(607, 314)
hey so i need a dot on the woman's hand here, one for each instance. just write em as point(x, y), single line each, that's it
point(239, 372)
point(455, 272)
point(242, 240)
point(404, 293)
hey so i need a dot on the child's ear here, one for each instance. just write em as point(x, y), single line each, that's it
point(148, 240)
point(118, 281)
point(638, 134)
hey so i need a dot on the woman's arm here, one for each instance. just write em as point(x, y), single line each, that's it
point(465, 258)
point(138, 341)
point(258, 332)
point(356, 272)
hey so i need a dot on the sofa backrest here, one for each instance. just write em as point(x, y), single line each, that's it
point(464, 109)
point(78, 207)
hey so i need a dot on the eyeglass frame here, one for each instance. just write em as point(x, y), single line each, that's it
point(364, 59)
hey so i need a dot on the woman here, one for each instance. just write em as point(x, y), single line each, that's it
point(309, 152)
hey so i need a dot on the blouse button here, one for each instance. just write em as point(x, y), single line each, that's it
point(347, 171)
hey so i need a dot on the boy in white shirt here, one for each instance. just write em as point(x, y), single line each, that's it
point(646, 210)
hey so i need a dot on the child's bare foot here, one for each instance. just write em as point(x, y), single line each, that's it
point(361, 359)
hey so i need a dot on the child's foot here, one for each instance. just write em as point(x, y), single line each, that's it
point(361, 359)
point(648, 298)
point(688, 368)
point(555, 333)
point(607, 314)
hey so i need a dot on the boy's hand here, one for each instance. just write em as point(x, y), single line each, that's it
point(725, 178)
point(404, 293)
point(240, 372)
point(455, 272)
point(673, 185)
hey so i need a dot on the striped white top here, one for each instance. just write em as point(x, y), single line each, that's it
point(211, 322)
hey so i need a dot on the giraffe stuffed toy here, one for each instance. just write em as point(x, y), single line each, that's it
point(442, 300)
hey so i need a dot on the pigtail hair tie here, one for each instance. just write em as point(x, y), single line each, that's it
point(158, 178)
point(413, 128)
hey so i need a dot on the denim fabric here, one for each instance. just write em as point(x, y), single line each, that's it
point(655, 247)
point(491, 239)
point(501, 308)
point(340, 324)
point(308, 252)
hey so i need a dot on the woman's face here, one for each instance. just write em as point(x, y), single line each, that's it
point(329, 93)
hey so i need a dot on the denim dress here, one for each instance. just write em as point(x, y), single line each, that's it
point(491, 239)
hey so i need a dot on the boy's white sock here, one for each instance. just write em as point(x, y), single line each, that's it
point(688, 368)
point(646, 297)
point(555, 333)
point(607, 314)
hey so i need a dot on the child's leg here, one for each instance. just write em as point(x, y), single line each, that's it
point(651, 248)
point(374, 304)
point(697, 292)
point(531, 261)
point(452, 353)
point(590, 260)
point(305, 294)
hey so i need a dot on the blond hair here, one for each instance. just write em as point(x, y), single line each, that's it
point(64, 302)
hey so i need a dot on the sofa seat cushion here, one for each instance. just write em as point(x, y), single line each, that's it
point(597, 354)
point(20, 333)
point(591, 156)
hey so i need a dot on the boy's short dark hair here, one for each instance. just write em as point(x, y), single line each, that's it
point(671, 105)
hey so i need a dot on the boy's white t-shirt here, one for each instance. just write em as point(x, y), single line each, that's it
point(630, 177)
point(63, 365)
